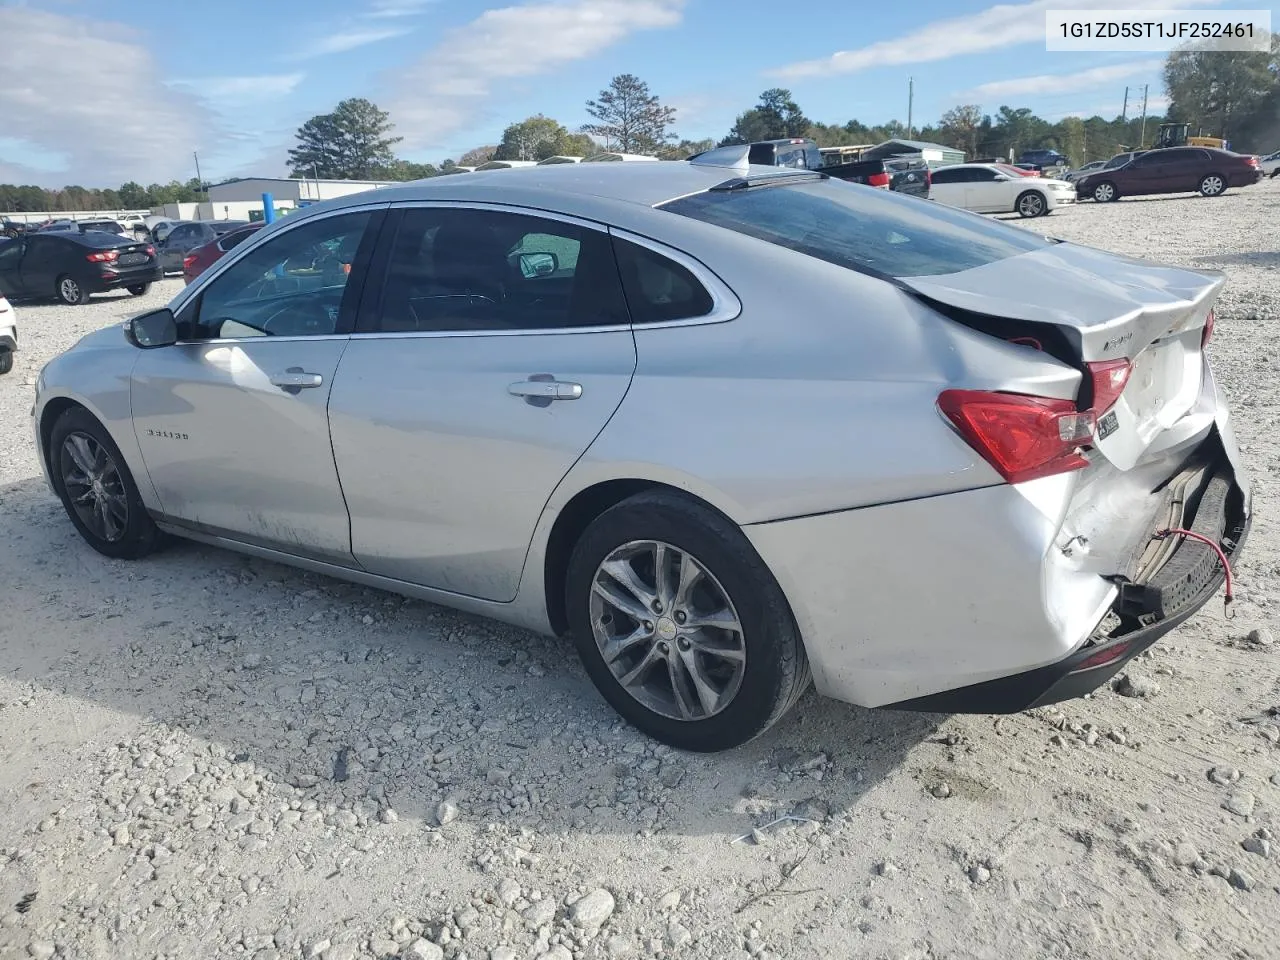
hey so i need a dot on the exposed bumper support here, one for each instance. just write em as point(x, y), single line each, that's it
point(1187, 579)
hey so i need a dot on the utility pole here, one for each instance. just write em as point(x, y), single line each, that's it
point(1124, 113)
point(199, 179)
point(1142, 137)
point(911, 95)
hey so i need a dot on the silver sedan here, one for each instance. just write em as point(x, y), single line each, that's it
point(734, 429)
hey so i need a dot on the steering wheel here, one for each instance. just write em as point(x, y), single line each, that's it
point(299, 318)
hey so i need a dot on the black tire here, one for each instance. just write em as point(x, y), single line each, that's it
point(70, 291)
point(139, 535)
point(139, 289)
point(1031, 203)
point(1105, 192)
point(1212, 185)
point(6, 361)
point(776, 671)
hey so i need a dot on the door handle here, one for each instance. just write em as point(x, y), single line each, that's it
point(295, 379)
point(540, 389)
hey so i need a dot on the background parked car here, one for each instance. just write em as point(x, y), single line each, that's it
point(1120, 159)
point(52, 226)
point(1270, 164)
point(202, 258)
point(104, 226)
point(985, 188)
point(1043, 158)
point(8, 334)
point(1172, 170)
point(186, 236)
point(12, 228)
point(1072, 175)
point(70, 265)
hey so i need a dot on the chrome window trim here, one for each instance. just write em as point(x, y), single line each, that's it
point(725, 305)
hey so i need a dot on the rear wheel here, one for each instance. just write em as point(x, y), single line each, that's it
point(1212, 185)
point(1032, 204)
point(139, 289)
point(71, 291)
point(97, 489)
point(1105, 192)
point(6, 361)
point(681, 625)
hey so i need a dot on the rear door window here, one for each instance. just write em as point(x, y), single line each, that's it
point(872, 231)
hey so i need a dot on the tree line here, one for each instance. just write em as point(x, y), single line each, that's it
point(1226, 94)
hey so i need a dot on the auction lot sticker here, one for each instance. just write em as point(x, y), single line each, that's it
point(1117, 31)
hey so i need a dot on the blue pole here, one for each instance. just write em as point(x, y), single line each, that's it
point(268, 209)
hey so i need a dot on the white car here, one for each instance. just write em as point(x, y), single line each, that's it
point(985, 188)
point(8, 335)
point(1270, 164)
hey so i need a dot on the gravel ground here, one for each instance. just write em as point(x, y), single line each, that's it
point(203, 755)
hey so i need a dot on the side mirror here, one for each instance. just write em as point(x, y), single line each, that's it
point(538, 264)
point(150, 330)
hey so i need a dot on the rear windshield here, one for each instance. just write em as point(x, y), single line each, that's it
point(865, 229)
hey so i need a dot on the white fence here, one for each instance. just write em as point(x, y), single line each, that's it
point(39, 216)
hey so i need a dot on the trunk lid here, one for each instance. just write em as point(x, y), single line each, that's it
point(1085, 306)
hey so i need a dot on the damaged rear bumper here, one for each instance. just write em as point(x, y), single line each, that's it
point(1187, 577)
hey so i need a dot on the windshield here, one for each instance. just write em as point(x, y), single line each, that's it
point(854, 226)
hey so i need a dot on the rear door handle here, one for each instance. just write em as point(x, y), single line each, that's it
point(540, 390)
point(295, 379)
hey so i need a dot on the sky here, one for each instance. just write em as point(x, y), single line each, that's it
point(96, 94)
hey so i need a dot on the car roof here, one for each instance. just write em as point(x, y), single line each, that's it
point(89, 238)
point(577, 185)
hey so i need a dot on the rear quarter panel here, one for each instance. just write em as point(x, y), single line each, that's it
point(820, 396)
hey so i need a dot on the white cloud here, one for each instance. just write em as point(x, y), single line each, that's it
point(994, 28)
point(266, 87)
point(388, 9)
point(1047, 83)
point(110, 123)
point(347, 40)
point(441, 92)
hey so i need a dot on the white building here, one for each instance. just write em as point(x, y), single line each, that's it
point(241, 199)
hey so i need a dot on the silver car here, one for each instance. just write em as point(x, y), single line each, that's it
point(732, 428)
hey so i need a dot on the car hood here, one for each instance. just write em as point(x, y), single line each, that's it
point(1110, 306)
point(108, 338)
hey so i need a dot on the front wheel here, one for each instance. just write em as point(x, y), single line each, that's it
point(1105, 192)
point(71, 291)
point(139, 289)
point(6, 361)
point(681, 626)
point(1212, 185)
point(1031, 204)
point(97, 489)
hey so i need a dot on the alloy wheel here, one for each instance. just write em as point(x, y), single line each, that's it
point(1104, 192)
point(1212, 185)
point(667, 630)
point(69, 289)
point(1031, 205)
point(94, 486)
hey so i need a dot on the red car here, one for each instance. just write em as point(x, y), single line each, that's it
point(202, 258)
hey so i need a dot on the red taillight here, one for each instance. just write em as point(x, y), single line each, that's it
point(1023, 437)
point(1253, 161)
point(1208, 331)
point(104, 256)
point(151, 251)
point(878, 180)
point(1109, 378)
point(188, 261)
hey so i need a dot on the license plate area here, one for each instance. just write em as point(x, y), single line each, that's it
point(132, 259)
